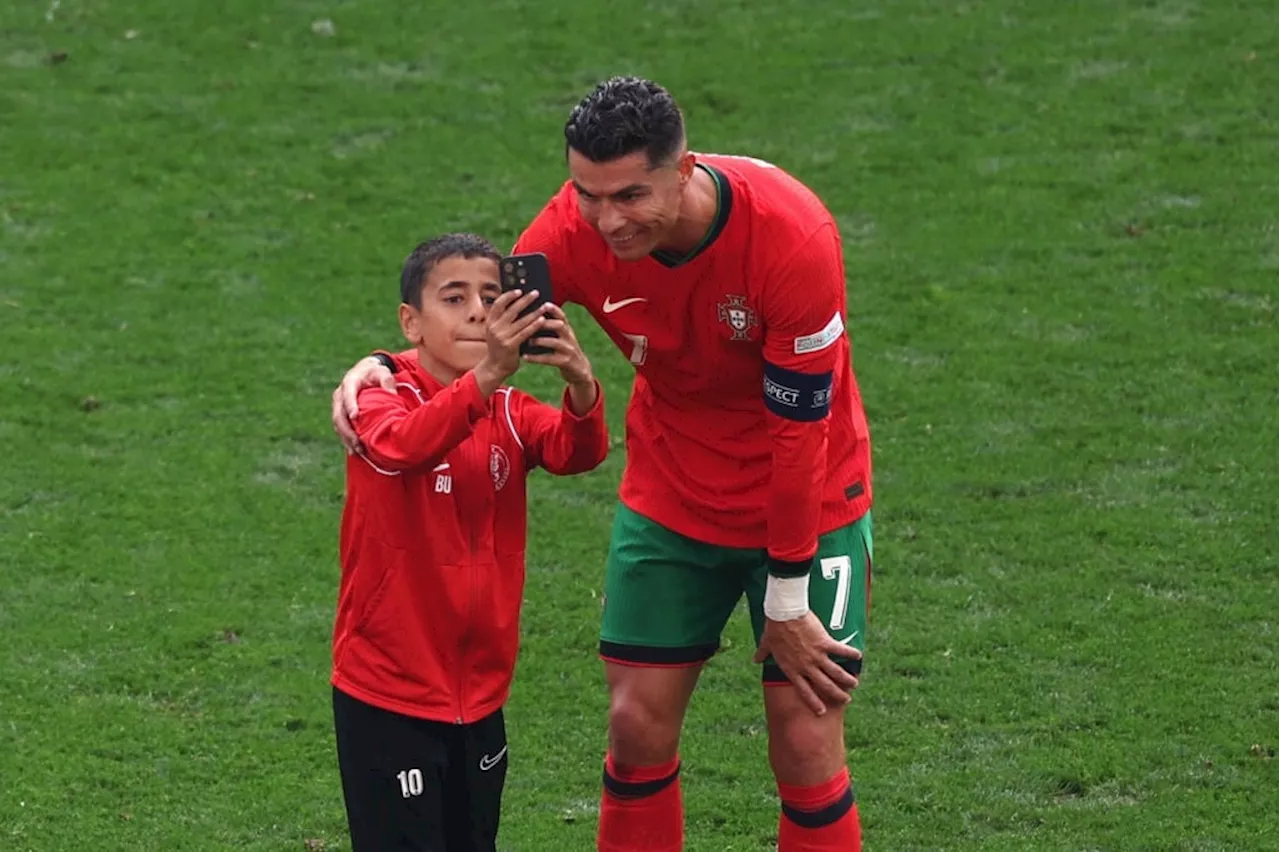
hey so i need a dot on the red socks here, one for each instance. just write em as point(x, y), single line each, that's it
point(823, 818)
point(640, 809)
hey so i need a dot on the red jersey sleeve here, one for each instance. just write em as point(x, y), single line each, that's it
point(557, 439)
point(547, 234)
point(396, 438)
point(803, 309)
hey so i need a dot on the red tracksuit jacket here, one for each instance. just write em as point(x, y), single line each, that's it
point(433, 539)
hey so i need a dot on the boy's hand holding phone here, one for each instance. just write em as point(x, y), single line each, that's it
point(505, 333)
point(552, 341)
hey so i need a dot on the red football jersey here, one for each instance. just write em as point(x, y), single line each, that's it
point(745, 426)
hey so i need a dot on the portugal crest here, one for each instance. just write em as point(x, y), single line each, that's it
point(740, 318)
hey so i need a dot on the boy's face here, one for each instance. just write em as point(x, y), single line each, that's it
point(449, 327)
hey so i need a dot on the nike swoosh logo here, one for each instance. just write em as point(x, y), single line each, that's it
point(610, 307)
point(487, 762)
point(444, 466)
point(846, 640)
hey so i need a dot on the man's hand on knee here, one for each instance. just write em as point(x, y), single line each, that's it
point(367, 372)
point(803, 650)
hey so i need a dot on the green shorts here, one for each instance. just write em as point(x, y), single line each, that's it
point(668, 597)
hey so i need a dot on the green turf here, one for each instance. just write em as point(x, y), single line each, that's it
point(1060, 227)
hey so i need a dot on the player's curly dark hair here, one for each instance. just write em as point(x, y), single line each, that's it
point(624, 115)
point(420, 262)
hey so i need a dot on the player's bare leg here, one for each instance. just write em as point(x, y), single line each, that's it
point(640, 808)
point(646, 710)
point(807, 753)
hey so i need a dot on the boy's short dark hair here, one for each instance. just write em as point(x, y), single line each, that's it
point(624, 115)
point(420, 262)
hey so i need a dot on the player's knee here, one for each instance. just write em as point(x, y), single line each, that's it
point(806, 749)
point(799, 742)
point(640, 733)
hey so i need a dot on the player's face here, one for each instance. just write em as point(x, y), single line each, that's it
point(449, 327)
point(632, 205)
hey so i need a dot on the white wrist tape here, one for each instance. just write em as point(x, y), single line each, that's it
point(786, 598)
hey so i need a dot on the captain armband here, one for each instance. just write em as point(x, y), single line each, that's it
point(805, 397)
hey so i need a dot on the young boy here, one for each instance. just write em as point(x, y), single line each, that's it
point(432, 550)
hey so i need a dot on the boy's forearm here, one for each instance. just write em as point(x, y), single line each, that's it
point(399, 440)
point(489, 377)
point(573, 440)
point(582, 396)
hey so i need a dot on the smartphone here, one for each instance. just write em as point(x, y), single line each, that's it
point(527, 272)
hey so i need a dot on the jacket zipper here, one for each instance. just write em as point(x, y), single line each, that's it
point(469, 558)
point(462, 658)
point(462, 645)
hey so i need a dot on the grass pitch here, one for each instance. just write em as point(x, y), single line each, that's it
point(1060, 227)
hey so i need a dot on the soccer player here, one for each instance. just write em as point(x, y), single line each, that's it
point(432, 551)
point(748, 469)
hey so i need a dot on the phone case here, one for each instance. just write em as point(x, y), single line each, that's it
point(527, 272)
